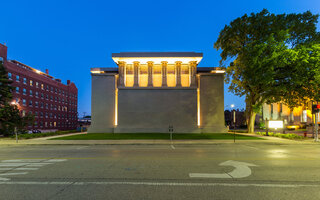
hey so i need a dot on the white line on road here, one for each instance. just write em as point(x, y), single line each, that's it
point(10, 174)
point(22, 160)
point(24, 168)
point(22, 164)
point(172, 147)
point(20, 168)
point(159, 184)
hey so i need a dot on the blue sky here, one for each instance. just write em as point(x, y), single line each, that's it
point(70, 37)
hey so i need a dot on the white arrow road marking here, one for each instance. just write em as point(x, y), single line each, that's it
point(24, 165)
point(241, 170)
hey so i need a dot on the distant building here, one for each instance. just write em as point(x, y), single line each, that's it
point(53, 104)
point(149, 92)
point(298, 117)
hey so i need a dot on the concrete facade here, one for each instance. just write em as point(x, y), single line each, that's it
point(149, 92)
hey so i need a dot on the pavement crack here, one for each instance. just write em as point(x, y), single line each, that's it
point(60, 191)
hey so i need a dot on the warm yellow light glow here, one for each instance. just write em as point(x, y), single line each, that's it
point(157, 76)
point(171, 76)
point(185, 76)
point(156, 60)
point(292, 127)
point(95, 72)
point(116, 102)
point(129, 76)
point(218, 71)
point(38, 71)
point(143, 76)
point(297, 111)
point(198, 104)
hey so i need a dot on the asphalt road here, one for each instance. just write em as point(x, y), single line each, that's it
point(160, 171)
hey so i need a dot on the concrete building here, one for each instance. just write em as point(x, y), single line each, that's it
point(149, 92)
point(53, 103)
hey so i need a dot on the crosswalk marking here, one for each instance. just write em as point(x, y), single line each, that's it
point(23, 166)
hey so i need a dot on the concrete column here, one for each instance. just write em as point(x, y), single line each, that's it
point(150, 67)
point(164, 73)
point(136, 74)
point(121, 73)
point(193, 73)
point(178, 71)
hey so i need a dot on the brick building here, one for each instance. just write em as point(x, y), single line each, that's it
point(53, 104)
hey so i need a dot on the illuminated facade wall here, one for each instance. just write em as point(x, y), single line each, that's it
point(278, 111)
point(152, 91)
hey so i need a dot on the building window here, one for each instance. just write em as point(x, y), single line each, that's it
point(185, 76)
point(31, 83)
point(42, 86)
point(129, 76)
point(46, 124)
point(24, 102)
point(18, 78)
point(54, 124)
point(47, 87)
point(37, 94)
point(24, 80)
point(30, 91)
point(41, 104)
point(42, 95)
point(9, 75)
point(36, 114)
point(37, 84)
point(24, 91)
point(46, 115)
point(143, 76)
point(47, 106)
point(30, 103)
point(171, 76)
point(17, 89)
point(36, 104)
point(41, 114)
point(304, 117)
point(157, 76)
point(23, 113)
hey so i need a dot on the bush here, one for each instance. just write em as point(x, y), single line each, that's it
point(281, 135)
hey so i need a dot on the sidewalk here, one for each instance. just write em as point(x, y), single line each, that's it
point(46, 141)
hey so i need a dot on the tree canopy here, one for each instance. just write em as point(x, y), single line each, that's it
point(275, 58)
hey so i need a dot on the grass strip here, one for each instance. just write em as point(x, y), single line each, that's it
point(157, 136)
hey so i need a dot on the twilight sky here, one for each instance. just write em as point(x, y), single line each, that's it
point(70, 37)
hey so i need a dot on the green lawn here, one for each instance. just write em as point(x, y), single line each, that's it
point(158, 136)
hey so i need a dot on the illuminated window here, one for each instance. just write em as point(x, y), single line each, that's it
point(129, 76)
point(185, 76)
point(157, 76)
point(171, 76)
point(143, 76)
point(304, 116)
point(31, 83)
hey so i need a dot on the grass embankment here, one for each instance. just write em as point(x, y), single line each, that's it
point(156, 136)
point(37, 135)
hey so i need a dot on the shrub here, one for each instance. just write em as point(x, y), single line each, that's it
point(281, 135)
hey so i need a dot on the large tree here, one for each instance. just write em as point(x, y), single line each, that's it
point(274, 58)
point(10, 117)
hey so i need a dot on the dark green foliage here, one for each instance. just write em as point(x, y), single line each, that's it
point(275, 58)
point(9, 114)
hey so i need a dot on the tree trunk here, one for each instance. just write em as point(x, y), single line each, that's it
point(252, 118)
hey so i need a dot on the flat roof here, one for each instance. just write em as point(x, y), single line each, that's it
point(156, 54)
